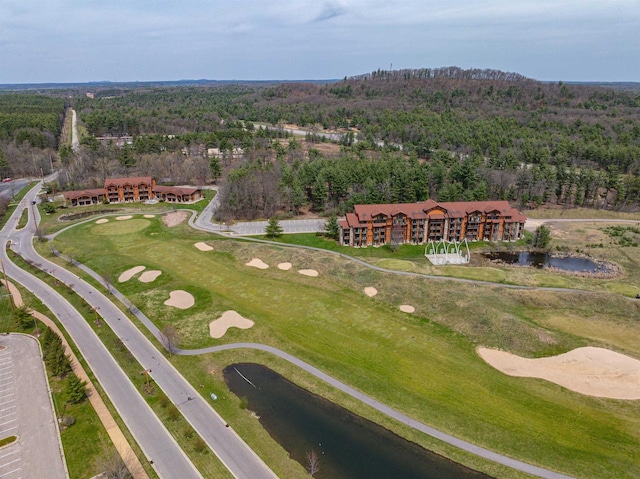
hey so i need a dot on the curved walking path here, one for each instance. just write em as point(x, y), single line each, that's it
point(389, 411)
point(113, 430)
point(203, 222)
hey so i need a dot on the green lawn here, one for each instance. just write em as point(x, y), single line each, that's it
point(423, 364)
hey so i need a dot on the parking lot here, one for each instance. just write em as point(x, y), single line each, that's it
point(26, 412)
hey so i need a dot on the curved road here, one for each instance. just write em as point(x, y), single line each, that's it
point(156, 442)
point(393, 413)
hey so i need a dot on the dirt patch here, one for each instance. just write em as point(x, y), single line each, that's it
point(370, 291)
point(174, 218)
point(309, 272)
point(407, 308)
point(130, 273)
point(218, 327)
point(284, 266)
point(125, 217)
point(203, 246)
point(180, 299)
point(149, 276)
point(149, 216)
point(257, 263)
point(102, 221)
point(591, 371)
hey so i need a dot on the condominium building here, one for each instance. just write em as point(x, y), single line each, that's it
point(129, 190)
point(418, 223)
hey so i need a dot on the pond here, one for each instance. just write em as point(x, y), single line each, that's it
point(546, 260)
point(347, 446)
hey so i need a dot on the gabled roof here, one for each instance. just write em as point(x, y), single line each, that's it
point(454, 209)
point(90, 193)
point(127, 181)
point(176, 190)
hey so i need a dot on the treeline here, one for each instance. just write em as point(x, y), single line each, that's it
point(259, 189)
point(30, 126)
point(453, 73)
point(448, 134)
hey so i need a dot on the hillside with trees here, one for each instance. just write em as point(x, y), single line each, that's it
point(405, 135)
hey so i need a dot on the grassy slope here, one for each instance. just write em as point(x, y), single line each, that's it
point(424, 364)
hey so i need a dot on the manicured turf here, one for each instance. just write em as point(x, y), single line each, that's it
point(423, 364)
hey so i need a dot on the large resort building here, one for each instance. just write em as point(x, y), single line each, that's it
point(130, 190)
point(420, 223)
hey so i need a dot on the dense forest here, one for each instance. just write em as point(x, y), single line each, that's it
point(30, 126)
point(404, 135)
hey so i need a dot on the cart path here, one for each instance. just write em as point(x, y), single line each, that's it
point(115, 433)
point(389, 411)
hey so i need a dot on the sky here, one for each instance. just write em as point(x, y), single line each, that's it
point(66, 41)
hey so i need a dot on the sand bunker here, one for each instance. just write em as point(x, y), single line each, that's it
point(174, 218)
point(370, 291)
point(309, 272)
point(130, 273)
point(149, 276)
point(125, 217)
point(218, 327)
point(407, 308)
point(102, 221)
point(149, 216)
point(591, 371)
point(203, 246)
point(258, 263)
point(284, 266)
point(180, 299)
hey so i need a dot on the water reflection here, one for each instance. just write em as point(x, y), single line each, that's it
point(545, 260)
point(348, 446)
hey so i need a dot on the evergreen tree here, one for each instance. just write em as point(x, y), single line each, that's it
point(23, 318)
point(75, 389)
point(332, 228)
point(541, 238)
point(273, 229)
point(214, 166)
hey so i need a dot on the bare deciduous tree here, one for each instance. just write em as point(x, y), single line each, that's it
point(113, 466)
point(313, 462)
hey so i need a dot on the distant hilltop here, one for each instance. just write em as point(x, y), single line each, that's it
point(451, 72)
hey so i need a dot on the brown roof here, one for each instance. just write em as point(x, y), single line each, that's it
point(72, 195)
point(176, 190)
point(127, 181)
point(455, 209)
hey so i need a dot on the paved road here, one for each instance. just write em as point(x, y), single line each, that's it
point(10, 188)
point(26, 411)
point(157, 444)
point(223, 441)
point(75, 142)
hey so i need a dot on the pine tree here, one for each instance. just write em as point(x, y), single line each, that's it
point(273, 229)
point(75, 389)
point(332, 228)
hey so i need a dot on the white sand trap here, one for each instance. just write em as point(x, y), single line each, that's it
point(125, 217)
point(592, 371)
point(370, 291)
point(308, 272)
point(229, 319)
point(149, 216)
point(407, 308)
point(149, 276)
point(130, 273)
point(258, 263)
point(102, 221)
point(203, 246)
point(180, 299)
point(284, 266)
